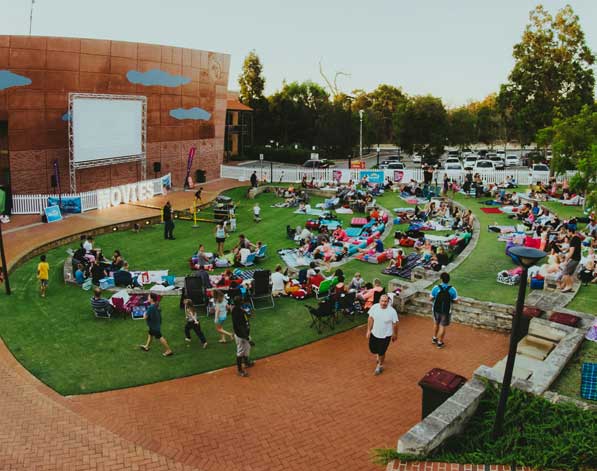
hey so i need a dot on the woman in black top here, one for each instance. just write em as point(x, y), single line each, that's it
point(241, 327)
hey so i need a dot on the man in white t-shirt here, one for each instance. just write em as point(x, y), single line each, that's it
point(279, 280)
point(257, 213)
point(382, 327)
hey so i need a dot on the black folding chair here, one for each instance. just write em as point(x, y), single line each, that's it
point(262, 289)
point(323, 314)
point(195, 291)
point(347, 307)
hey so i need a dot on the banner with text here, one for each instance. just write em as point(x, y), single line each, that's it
point(374, 176)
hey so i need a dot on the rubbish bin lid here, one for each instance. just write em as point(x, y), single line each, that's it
point(442, 380)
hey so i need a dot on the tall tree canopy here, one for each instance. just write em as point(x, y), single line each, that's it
point(251, 80)
point(552, 74)
point(421, 125)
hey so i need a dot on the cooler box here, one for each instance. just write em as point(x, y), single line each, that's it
point(106, 283)
point(438, 386)
point(563, 318)
point(537, 283)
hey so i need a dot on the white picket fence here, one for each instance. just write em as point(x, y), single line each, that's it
point(35, 204)
point(295, 174)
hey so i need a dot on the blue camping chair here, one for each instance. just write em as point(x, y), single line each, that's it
point(261, 254)
point(249, 261)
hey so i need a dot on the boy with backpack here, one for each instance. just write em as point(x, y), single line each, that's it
point(442, 295)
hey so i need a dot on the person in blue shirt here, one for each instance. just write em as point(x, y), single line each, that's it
point(443, 296)
point(80, 274)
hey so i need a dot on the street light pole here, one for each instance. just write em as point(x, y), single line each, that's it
point(377, 155)
point(4, 266)
point(361, 134)
point(527, 257)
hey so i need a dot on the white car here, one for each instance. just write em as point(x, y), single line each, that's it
point(453, 168)
point(539, 173)
point(452, 160)
point(469, 162)
point(512, 161)
point(484, 165)
point(417, 158)
point(384, 163)
point(395, 166)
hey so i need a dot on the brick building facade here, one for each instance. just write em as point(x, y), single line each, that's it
point(33, 108)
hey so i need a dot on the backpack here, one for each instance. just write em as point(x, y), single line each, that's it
point(443, 301)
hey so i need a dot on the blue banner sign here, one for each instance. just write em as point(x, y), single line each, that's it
point(374, 176)
point(53, 214)
point(68, 204)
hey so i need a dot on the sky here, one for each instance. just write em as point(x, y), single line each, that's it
point(459, 50)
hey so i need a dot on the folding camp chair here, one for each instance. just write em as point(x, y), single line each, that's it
point(103, 312)
point(324, 288)
point(348, 306)
point(322, 314)
point(195, 291)
point(261, 254)
point(250, 260)
point(261, 288)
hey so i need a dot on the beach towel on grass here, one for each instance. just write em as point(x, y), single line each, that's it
point(492, 210)
point(293, 258)
point(588, 382)
point(312, 212)
point(411, 261)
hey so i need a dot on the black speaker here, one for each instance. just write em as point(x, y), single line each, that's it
point(53, 181)
point(157, 167)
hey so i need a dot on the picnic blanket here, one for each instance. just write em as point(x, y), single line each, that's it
point(410, 199)
point(491, 203)
point(404, 210)
point(342, 210)
point(509, 209)
point(411, 261)
point(436, 239)
point(312, 212)
point(492, 210)
point(293, 258)
point(354, 231)
point(574, 201)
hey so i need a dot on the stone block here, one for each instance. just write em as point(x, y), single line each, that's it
point(535, 347)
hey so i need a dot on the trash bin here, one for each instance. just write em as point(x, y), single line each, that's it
point(200, 176)
point(438, 386)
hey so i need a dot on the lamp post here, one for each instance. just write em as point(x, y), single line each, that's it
point(361, 134)
point(526, 258)
point(378, 156)
point(4, 267)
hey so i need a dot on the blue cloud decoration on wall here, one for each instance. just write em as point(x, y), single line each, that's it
point(66, 116)
point(9, 79)
point(156, 77)
point(190, 113)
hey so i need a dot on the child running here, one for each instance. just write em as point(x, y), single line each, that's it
point(192, 323)
point(43, 274)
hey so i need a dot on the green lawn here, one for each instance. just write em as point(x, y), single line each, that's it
point(60, 342)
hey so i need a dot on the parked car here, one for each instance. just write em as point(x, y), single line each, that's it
point(417, 159)
point(323, 163)
point(396, 166)
point(393, 157)
point(453, 154)
point(453, 168)
point(466, 153)
point(384, 163)
point(469, 162)
point(539, 172)
point(498, 161)
point(512, 160)
point(484, 165)
point(452, 160)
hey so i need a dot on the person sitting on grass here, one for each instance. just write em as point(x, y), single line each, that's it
point(368, 295)
point(203, 258)
point(153, 317)
point(117, 261)
point(397, 262)
point(101, 305)
point(80, 275)
point(279, 281)
point(357, 283)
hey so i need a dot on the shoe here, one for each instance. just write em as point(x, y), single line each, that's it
point(434, 340)
point(243, 373)
point(440, 344)
point(378, 370)
point(204, 345)
point(249, 364)
point(187, 340)
point(144, 348)
point(167, 354)
point(172, 238)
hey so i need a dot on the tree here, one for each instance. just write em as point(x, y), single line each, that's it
point(421, 125)
point(552, 74)
point(462, 124)
point(571, 139)
point(251, 80)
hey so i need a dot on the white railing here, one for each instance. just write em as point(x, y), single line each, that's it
point(35, 204)
point(295, 174)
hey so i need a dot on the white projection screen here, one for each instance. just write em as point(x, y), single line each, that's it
point(106, 128)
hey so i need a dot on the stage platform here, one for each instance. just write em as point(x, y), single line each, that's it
point(26, 233)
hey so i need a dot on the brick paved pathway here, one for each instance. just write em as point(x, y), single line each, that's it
point(316, 407)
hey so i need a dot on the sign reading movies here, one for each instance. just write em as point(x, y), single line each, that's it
point(129, 193)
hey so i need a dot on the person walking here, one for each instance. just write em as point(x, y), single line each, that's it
point(168, 222)
point(43, 275)
point(153, 317)
point(192, 323)
point(443, 296)
point(220, 315)
point(254, 180)
point(241, 326)
point(257, 213)
point(382, 328)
